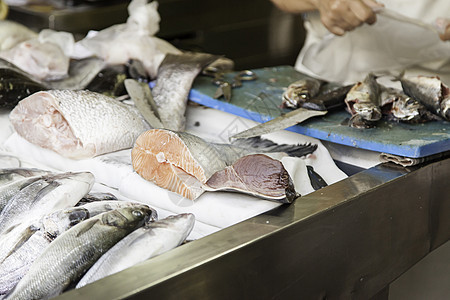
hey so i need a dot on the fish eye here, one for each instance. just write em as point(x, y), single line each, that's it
point(410, 101)
point(137, 213)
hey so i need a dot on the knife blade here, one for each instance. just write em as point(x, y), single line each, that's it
point(317, 106)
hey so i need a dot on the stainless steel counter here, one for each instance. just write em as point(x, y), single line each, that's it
point(348, 240)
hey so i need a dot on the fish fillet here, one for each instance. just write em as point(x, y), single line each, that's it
point(177, 161)
point(77, 124)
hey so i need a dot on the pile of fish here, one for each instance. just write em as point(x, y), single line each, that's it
point(54, 234)
point(422, 99)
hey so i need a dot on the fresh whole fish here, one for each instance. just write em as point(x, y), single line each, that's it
point(363, 102)
point(13, 33)
point(400, 107)
point(15, 266)
point(45, 195)
point(430, 91)
point(257, 175)
point(143, 243)
point(69, 256)
point(300, 91)
point(14, 180)
point(175, 76)
point(182, 162)
point(77, 124)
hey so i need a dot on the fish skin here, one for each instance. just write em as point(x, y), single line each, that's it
point(75, 251)
point(77, 124)
point(300, 91)
point(142, 244)
point(15, 182)
point(95, 197)
point(317, 182)
point(363, 101)
point(45, 195)
point(430, 91)
point(142, 97)
point(267, 178)
point(175, 76)
point(15, 266)
point(95, 208)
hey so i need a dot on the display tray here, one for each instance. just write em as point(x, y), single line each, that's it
point(260, 101)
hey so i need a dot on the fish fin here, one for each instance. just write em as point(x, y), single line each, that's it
point(265, 145)
point(317, 181)
point(88, 224)
point(25, 237)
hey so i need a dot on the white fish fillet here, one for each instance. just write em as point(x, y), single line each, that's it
point(77, 124)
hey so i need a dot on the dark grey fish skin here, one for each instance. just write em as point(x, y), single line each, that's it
point(95, 197)
point(329, 100)
point(430, 91)
point(70, 255)
point(300, 91)
point(175, 76)
point(136, 70)
point(317, 182)
point(15, 266)
point(363, 102)
point(109, 81)
point(257, 175)
point(16, 84)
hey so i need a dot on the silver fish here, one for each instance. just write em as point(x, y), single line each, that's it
point(430, 91)
point(95, 197)
point(75, 251)
point(77, 124)
point(176, 74)
point(142, 244)
point(13, 180)
point(257, 175)
point(95, 208)
point(182, 162)
point(400, 107)
point(44, 196)
point(300, 91)
point(363, 102)
point(15, 266)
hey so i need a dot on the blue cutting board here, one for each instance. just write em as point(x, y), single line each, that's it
point(260, 101)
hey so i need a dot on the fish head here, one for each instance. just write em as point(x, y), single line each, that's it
point(127, 217)
point(59, 221)
point(406, 108)
point(367, 111)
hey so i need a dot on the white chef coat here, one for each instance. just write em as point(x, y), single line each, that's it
point(386, 46)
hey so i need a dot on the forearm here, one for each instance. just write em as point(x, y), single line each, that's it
point(295, 6)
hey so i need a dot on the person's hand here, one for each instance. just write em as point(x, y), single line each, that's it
point(443, 26)
point(340, 16)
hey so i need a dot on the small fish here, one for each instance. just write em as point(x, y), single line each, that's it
point(363, 102)
point(257, 175)
point(47, 194)
point(175, 76)
point(142, 244)
point(300, 91)
point(15, 266)
point(69, 256)
point(400, 107)
point(182, 162)
point(430, 91)
point(77, 124)
point(13, 181)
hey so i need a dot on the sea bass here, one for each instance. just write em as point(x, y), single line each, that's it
point(143, 243)
point(45, 195)
point(182, 162)
point(15, 266)
point(430, 91)
point(77, 124)
point(176, 74)
point(363, 102)
point(75, 251)
point(257, 175)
